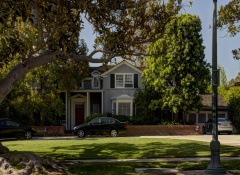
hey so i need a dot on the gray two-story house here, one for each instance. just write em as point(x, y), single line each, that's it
point(111, 89)
point(103, 91)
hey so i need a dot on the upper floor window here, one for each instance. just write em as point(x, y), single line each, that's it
point(95, 83)
point(124, 80)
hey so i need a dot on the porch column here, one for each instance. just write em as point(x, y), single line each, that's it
point(66, 110)
point(88, 104)
point(69, 113)
point(102, 102)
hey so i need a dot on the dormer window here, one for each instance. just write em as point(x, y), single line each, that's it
point(95, 82)
point(123, 80)
point(95, 79)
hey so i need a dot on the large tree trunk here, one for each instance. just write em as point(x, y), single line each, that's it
point(20, 70)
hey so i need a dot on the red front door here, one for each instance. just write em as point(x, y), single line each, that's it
point(79, 114)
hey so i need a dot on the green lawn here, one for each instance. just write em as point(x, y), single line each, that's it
point(122, 147)
point(117, 148)
point(124, 168)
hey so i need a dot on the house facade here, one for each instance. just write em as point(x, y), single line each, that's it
point(104, 91)
point(112, 89)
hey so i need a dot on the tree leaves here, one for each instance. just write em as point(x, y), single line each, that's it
point(178, 70)
point(229, 17)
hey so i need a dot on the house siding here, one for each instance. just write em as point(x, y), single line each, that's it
point(121, 69)
point(99, 99)
point(108, 95)
point(110, 91)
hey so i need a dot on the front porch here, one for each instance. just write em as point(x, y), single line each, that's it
point(79, 105)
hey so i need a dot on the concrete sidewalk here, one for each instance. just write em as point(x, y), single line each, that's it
point(189, 159)
point(177, 172)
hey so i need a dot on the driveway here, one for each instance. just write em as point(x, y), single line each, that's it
point(233, 140)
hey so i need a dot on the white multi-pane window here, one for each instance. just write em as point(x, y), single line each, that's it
point(124, 109)
point(119, 80)
point(123, 105)
point(124, 80)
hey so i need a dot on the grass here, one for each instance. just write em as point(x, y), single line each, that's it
point(117, 148)
point(124, 168)
point(120, 148)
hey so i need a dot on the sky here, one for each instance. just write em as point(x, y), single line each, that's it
point(225, 44)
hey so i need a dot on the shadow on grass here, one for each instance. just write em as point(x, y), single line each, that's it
point(132, 151)
point(118, 148)
point(122, 168)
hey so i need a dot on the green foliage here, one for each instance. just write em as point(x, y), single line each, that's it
point(231, 94)
point(122, 118)
point(177, 69)
point(229, 19)
point(145, 120)
point(143, 101)
point(38, 96)
point(180, 122)
point(223, 76)
point(37, 33)
point(234, 111)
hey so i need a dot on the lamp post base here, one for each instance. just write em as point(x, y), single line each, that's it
point(215, 166)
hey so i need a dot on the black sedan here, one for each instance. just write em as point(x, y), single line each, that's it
point(101, 125)
point(12, 129)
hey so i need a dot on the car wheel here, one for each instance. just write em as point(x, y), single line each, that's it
point(113, 133)
point(229, 132)
point(28, 135)
point(80, 133)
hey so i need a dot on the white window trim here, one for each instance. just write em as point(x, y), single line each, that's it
point(123, 101)
point(93, 85)
point(124, 81)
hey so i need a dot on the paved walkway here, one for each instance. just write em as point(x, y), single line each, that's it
point(189, 159)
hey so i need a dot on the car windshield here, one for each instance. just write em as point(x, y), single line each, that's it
point(222, 119)
point(219, 120)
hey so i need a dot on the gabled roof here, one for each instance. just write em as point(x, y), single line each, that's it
point(207, 101)
point(120, 64)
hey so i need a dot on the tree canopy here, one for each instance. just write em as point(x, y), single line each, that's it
point(177, 69)
point(34, 33)
point(229, 17)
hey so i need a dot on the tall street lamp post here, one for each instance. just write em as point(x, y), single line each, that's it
point(215, 166)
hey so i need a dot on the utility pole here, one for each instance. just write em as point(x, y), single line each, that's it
point(215, 166)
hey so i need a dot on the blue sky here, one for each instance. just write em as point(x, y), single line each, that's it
point(203, 9)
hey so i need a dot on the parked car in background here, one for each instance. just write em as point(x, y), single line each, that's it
point(224, 126)
point(12, 129)
point(101, 125)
